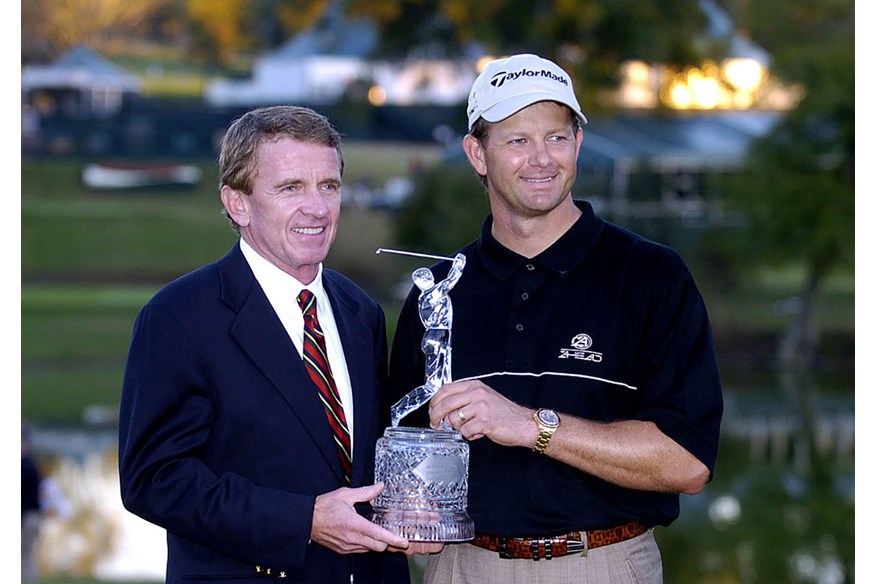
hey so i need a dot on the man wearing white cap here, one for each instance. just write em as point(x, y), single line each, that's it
point(585, 374)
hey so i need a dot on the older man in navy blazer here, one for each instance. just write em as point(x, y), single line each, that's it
point(224, 440)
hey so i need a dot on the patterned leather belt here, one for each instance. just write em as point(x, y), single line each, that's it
point(558, 546)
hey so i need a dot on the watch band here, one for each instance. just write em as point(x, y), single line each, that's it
point(546, 428)
point(543, 438)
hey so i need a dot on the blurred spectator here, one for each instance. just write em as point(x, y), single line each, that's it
point(31, 516)
point(53, 503)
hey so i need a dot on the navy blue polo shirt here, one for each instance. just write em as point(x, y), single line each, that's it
point(605, 325)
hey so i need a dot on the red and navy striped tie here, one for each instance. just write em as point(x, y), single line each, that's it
point(316, 361)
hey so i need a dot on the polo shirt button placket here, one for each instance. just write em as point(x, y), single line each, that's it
point(520, 320)
point(525, 296)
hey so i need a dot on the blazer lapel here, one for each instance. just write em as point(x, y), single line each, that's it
point(359, 350)
point(261, 335)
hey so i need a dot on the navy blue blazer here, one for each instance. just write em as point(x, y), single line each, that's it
point(222, 438)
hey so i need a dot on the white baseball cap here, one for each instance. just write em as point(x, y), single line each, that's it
point(506, 86)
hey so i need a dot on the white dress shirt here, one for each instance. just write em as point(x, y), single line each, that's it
point(282, 291)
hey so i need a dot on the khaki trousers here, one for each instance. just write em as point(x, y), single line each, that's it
point(634, 561)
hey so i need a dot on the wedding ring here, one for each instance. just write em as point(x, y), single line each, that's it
point(461, 415)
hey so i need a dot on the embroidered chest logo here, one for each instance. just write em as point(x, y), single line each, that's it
point(580, 349)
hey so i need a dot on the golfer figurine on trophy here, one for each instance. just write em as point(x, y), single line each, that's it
point(436, 313)
point(425, 471)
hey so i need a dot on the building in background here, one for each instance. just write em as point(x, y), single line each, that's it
point(80, 83)
point(334, 61)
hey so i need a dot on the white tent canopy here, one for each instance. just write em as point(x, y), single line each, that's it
point(100, 83)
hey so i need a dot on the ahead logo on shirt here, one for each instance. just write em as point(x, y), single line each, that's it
point(579, 349)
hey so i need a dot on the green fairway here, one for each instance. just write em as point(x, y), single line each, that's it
point(74, 338)
point(90, 260)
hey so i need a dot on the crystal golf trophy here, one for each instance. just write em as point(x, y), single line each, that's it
point(425, 470)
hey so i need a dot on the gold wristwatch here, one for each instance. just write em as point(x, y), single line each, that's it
point(548, 421)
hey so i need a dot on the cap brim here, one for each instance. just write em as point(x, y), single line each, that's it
point(512, 105)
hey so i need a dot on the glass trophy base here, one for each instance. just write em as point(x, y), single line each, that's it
point(424, 526)
point(425, 478)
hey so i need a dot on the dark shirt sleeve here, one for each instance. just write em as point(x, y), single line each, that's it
point(678, 368)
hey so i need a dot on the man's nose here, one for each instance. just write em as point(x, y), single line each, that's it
point(540, 155)
point(315, 203)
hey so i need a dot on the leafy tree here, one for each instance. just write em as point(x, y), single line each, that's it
point(798, 189)
point(221, 33)
point(297, 15)
point(445, 213)
point(50, 27)
point(589, 38)
point(211, 31)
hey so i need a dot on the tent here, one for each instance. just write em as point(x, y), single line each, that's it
point(80, 82)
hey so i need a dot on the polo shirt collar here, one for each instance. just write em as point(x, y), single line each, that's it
point(563, 255)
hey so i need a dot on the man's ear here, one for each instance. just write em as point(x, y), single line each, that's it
point(474, 151)
point(237, 205)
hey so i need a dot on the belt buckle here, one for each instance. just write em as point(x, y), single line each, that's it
point(503, 549)
point(577, 547)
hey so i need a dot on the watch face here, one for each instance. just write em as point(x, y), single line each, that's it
point(548, 417)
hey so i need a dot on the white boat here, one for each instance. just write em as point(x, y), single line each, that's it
point(110, 176)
